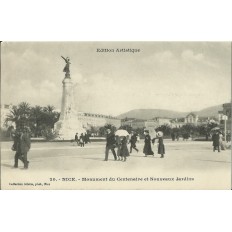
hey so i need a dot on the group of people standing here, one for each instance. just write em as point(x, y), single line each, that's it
point(120, 142)
point(21, 145)
point(147, 150)
point(82, 139)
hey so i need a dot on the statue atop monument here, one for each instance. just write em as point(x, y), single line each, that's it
point(66, 68)
point(68, 124)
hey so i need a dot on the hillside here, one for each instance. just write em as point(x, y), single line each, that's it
point(210, 111)
point(151, 113)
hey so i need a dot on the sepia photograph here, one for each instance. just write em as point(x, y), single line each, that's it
point(115, 115)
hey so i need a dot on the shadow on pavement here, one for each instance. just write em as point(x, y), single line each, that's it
point(7, 165)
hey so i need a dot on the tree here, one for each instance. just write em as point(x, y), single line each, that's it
point(205, 129)
point(20, 115)
point(166, 129)
point(50, 117)
point(49, 134)
point(37, 118)
point(102, 130)
point(128, 128)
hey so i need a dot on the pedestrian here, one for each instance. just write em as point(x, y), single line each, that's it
point(228, 137)
point(222, 143)
point(215, 138)
point(147, 144)
point(161, 147)
point(138, 138)
point(110, 144)
point(82, 140)
point(16, 147)
point(177, 136)
point(22, 145)
point(88, 138)
point(123, 150)
point(77, 138)
point(173, 136)
point(133, 141)
point(85, 138)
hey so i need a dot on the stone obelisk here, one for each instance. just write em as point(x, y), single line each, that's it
point(68, 124)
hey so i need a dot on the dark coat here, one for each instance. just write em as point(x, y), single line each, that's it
point(123, 149)
point(133, 139)
point(111, 141)
point(215, 139)
point(147, 146)
point(161, 148)
point(82, 139)
point(16, 145)
point(25, 143)
point(76, 137)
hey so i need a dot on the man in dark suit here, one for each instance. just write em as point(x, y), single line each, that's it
point(25, 145)
point(215, 138)
point(110, 144)
point(133, 141)
point(16, 147)
point(22, 144)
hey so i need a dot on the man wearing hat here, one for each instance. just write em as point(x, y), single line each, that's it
point(216, 144)
point(16, 147)
point(110, 144)
point(133, 141)
point(25, 145)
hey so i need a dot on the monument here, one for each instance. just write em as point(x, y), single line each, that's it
point(68, 124)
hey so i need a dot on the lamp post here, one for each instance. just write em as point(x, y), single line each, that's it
point(225, 118)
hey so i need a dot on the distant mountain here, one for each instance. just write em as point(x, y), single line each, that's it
point(146, 114)
point(152, 113)
point(210, 111)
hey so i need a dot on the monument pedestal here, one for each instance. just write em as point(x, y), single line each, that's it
point(68, 124)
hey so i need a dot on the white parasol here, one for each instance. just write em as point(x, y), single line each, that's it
point(215, 128)
point(121, 133)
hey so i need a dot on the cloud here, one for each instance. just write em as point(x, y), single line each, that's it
point(189, 55)
point(171, 76)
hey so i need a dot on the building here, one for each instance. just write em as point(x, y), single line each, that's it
point(226, 111)
point(89, 120)
point(133, 122)
point(191, 118)
point(177, 122)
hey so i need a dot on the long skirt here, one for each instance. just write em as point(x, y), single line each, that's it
point(147, 149)
point(161, 149)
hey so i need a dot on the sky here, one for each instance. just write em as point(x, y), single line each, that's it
point(180, 76)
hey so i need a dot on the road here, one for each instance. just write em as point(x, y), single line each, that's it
point(187, 165)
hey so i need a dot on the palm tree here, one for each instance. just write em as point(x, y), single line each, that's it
point(51, 116)
point(36, 118)
point(19, 114)
point(13, 116)
point(49, 109)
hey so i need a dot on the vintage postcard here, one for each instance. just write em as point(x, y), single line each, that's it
point(115, 115)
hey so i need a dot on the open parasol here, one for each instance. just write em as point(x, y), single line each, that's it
point(215, 128)
point(121, 133)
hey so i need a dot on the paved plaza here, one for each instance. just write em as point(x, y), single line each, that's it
point(63, 165)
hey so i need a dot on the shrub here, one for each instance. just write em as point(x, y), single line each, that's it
point(49, 134)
